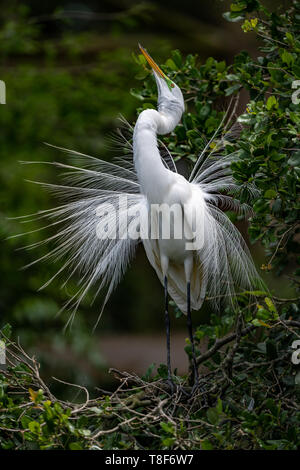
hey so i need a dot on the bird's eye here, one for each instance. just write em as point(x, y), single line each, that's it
point(172, 85)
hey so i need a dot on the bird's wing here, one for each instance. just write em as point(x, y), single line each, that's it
point(215, 179)
point(212, 170)
point(177, 286)
point(226, 262)
point(90, 192)
point(224, 258)
point(222, 264)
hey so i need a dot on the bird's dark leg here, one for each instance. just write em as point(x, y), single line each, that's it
point(190, 328)
point(167, 322)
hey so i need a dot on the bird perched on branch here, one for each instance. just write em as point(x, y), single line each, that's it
point(110, 207)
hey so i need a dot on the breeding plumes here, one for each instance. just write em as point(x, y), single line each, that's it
point(109, 207)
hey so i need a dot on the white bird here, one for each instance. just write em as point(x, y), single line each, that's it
point(216, 269)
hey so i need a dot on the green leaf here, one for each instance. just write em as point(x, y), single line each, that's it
point(167, 427)
point(213, 415)
point(239, 6)
point(84, 432)
point(232, 89)
point(6, 331)
point(272, 103)
point(276, 206)
point(149, 372)
point(219, 406)
point(142, 75)
point(177, 58)
point(136, 94)
point(96, 410)
point(245, 118)
point(270, 194)
point(257, 293)
point(206, 445)
point(204, 110)
point(277, 157)
point(168, 442)
point(162, 371)
point(232, 16)
point(75, 446)
point(34, 427)
point(270, 305)
point(221, 66)
point(287, 57)
point(171, 64)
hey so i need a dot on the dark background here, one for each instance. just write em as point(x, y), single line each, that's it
point(68, 69)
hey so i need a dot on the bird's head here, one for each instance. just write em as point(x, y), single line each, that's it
point(170, 98)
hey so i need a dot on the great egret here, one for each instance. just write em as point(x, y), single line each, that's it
point(100, 195)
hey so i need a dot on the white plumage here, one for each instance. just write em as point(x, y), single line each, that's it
point(220, 268)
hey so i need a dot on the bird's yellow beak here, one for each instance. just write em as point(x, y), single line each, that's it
point(151, 62)
point(156, 68)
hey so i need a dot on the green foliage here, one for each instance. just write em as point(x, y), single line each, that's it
point(249, 400)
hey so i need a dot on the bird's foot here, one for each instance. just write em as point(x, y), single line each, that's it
point(176, 389)
point(195, 389)
point(171, 385)
point(199, 392)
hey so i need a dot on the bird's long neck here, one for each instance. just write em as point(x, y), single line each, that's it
point(152, 174)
